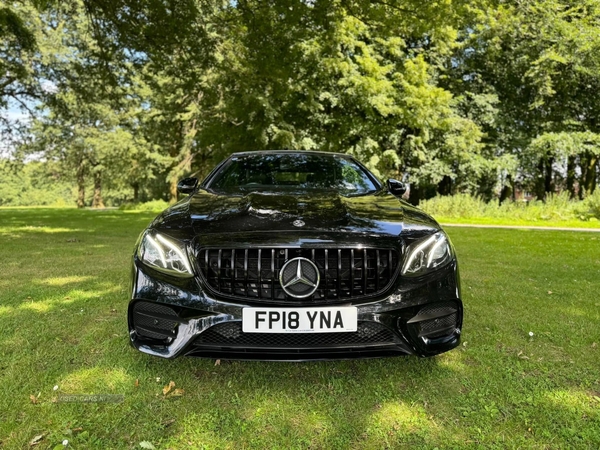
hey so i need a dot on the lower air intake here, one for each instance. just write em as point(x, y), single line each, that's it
point(436, 320)
point(155, 321)
point(231, 335)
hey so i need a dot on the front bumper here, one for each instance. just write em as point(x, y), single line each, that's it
point(169, 317)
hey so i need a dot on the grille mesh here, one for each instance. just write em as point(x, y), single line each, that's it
point(149, 320)
point(254, 273)
point(230, 335)
point(438, 319)
point(430, 327)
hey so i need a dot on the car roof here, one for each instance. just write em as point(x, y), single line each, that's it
point(283, 152)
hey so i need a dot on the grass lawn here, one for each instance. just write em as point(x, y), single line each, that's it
point(571, 223)
point(63, 297)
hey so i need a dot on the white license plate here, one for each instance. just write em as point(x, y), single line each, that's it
point(299, 320)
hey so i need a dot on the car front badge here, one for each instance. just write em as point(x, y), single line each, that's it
point(299, 277)
point(298, 223)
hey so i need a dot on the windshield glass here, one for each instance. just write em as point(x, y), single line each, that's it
point(292, 171)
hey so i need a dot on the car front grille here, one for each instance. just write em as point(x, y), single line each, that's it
point(345, 273)
point(230, 335)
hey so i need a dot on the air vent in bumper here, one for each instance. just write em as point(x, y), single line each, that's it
point(230, 335)
point(436, 320)
point(155, 321)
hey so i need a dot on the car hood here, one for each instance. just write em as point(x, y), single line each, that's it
point(379, 214)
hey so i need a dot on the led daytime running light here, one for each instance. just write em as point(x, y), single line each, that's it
point(433, 249)
point(158, 248)
point(176, 249)
point(416, 251)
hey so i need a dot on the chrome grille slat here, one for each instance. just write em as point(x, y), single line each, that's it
point(352, 268)
point(259, 270)
point(345, 273)
point(339, 272)
point(365, 270)
point(326, 273)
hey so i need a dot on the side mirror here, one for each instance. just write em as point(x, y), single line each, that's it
point(397, 188)
point(187, 185)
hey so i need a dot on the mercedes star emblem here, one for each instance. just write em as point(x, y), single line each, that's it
point(298, 223)
point(299, 277)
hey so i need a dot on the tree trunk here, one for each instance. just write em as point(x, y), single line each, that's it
point(507, 190)
point(548, 180)
point(513, 189)
point(136, 192)
point(445, 186)
point(539, 182)
point(173, 191)
point(571, 176)
point(81, 185)
point(589, 182)
point(97, 201)
point(415, 194)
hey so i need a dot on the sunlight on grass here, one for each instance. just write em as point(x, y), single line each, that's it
point(96, 381)
point(42, 306)
point(5, 310)
point(40, 229)
point(40, 207)
point(575, 311)
point(254, 427)
point(395, 420)
point(452, 360)
point(286, 414)
point(62, 281)
point(398, 414)
point(569, 399)
point(13, 342)
point(69, 298)
point(197, 428)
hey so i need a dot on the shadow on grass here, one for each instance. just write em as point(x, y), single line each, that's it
point(446, 401)
point(484, 394)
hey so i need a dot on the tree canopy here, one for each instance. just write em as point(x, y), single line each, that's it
point(484, 96)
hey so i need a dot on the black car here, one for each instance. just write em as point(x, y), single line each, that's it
point(293, 255)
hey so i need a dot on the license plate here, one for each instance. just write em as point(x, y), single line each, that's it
point(299, 320)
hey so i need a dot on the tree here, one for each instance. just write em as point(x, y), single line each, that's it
point(86, 121)
point(350, 77)
point(17, 46)
point(540, 58)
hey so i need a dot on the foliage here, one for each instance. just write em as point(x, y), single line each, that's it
point(455, 96)
point(353, 77)
point(320, 77)
point(17, 47)
point(589, 207)
point(154, 206)
point(540, 60)
point(555, 208)
point(35, 184)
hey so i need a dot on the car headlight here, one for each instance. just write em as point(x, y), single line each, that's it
point(427, 254)
point(166, 255)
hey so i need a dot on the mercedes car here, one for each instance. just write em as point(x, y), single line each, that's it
point(293, 255)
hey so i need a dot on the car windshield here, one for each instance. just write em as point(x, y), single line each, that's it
point(291, 172)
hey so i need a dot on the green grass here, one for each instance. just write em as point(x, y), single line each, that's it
point(63, 297)
point(571, 223)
